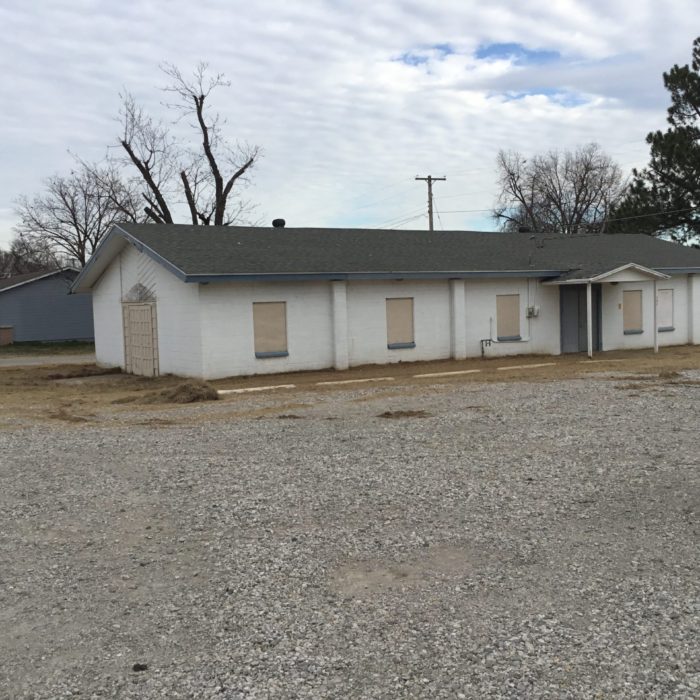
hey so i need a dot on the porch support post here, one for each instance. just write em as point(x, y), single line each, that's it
point(656, 325)
point(339, 302)
point(693, 309)
point(458, 320)
point(589, 318)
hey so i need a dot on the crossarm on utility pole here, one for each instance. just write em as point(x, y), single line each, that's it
point(430, 179)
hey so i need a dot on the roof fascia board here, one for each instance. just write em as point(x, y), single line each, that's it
point(36, 279)
point(117, 230)
point(653, 274)
point(630, 266)
point(340, 276)
point(679, 270)
point(94, 258)
point(143, 248)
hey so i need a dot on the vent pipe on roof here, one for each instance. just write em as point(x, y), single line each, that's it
point(278, 223)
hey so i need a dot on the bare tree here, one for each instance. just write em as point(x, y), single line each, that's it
point(73, 213)
point(26, 256)
point(172, 173)
point(568, 193)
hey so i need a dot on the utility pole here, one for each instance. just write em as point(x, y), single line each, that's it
point(430, 179)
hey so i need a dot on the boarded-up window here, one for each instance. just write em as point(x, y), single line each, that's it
point(664, 310)
point(632, 312)
point(270, 328)
point(399, 323)
point(508, 317)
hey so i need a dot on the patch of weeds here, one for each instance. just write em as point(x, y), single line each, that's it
point(404, 414)
point(669, 374)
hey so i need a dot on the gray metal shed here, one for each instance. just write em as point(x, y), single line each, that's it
point(38, 307)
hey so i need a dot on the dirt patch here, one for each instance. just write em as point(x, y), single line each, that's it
point(358, 579)
point(62, 414)
point(83, 371)
point(404, 414)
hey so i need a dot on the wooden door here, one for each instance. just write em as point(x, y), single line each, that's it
point(140, 339)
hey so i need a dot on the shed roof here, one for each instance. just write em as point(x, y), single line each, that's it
point(208, 253)
point(7, 283)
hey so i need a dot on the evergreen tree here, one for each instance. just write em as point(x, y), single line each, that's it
point(671, 182)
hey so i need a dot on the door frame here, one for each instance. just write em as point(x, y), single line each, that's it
point(597, 315)
point(128, 360)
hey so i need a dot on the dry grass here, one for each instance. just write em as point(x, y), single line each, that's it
point(189, 392)
point(70, 347)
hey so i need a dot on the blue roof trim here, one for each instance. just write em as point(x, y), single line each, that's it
point(347, 276)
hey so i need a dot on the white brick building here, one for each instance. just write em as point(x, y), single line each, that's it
point(215, 302)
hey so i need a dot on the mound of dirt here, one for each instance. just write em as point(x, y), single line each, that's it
point(189, 392)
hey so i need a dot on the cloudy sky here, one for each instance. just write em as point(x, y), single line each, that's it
point(350, 99)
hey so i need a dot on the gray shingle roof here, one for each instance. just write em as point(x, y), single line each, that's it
point(207, 250)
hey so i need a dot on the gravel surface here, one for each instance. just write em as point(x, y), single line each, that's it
point(477, 541)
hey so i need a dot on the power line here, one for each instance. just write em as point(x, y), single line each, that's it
point(657, 213)
point(439, 219)
point(406, 221)
point(390, 222)
point(465, 211)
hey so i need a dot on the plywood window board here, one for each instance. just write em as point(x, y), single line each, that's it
point(664, 310)
point(270, 328)
point(632, 312)
point(508, 317)
point(399, 323)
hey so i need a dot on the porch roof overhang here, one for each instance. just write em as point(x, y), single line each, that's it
point(629, 272)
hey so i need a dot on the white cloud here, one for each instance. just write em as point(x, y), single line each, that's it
point(343, 123)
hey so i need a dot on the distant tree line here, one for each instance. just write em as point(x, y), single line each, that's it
point(153, 175)
point(584, 191)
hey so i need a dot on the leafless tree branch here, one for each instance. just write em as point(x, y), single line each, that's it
point(569, 192)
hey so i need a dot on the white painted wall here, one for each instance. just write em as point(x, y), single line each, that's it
point(207, 330)
point(540, 335)
point(107, 314)
point(367, 339)
point(177, 312)
point(613, 329)
point(693, 310)
point(227, 327)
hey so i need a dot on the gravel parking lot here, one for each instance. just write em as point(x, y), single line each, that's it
point(452, 540)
